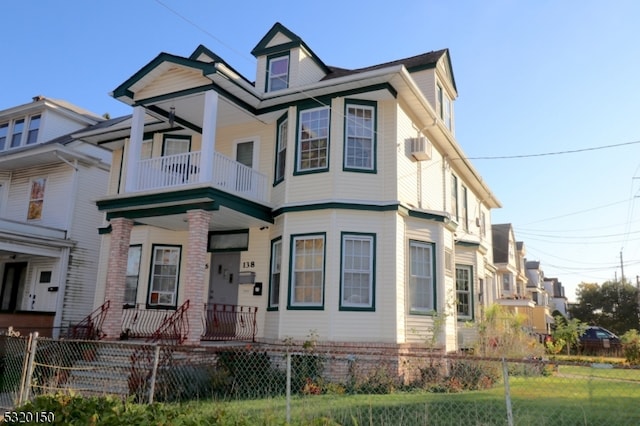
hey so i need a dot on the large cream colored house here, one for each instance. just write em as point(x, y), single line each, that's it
point(314, 199)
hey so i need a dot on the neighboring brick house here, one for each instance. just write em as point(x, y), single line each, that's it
point(316, 199)
point(49, 244)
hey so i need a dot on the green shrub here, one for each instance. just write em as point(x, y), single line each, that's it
point(631, 346)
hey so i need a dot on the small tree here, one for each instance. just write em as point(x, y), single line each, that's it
point(568, 331)
point(503, 333)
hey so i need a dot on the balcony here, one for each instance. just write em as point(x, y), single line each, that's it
point(183, 170)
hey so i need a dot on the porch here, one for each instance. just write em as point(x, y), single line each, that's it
point(220, 322)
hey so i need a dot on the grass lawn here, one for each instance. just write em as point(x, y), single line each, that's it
point(555, 400)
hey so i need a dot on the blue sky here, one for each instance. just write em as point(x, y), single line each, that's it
point(533, 77)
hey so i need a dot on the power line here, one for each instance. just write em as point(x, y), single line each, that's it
point(544, 154)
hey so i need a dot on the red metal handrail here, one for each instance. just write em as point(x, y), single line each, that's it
point(229, 322)
point(174, 328)
point(142, 323)
point(90, 328)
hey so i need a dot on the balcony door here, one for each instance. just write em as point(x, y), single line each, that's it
point(245, 152)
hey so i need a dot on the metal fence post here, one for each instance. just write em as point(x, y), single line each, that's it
point(154, 373)
point(507, 392)
point(27, 369)
point(288, 387)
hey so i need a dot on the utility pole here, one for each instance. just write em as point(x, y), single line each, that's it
point(621, 268)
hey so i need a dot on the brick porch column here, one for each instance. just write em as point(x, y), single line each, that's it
point(117, 275)
point(196, 272)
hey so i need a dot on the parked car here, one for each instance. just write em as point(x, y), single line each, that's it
point(597, 340)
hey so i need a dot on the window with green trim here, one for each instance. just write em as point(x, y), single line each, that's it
point(281, 148)
point(357, 271)
point(165, 270)
point(454, 197)
point(307, 271)
point(274, 277)
point(464, 300)
point(278, 73)
point(359, 144)
point(313, 140)
point(421, 277)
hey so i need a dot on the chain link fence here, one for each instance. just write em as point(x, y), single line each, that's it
point(345, 386)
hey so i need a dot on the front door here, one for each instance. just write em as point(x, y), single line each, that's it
point(44, 292)
point(13, 282)
point(223, 282)
point(221, 315)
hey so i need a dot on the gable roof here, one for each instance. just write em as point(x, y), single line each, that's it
point(263, 48)
point(202, 50)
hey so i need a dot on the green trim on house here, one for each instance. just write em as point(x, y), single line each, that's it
point(319, 307)
point(470, 244)
point(276, 180)
point(119, 207)
point(123, 89)
point(163, 210)
point(277, 55)
point(300, 110)
point(271, 306)
point(336, 205)
point(471, 292)
point(434, 281)
point(372, 306)
point(374, 152)
point(262, 48)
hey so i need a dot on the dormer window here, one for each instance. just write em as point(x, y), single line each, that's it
point(278, 73)
point(444, 107)
point(19, 132)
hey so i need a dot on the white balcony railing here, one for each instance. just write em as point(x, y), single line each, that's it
point(185, 169)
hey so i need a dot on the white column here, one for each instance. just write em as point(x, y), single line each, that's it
point(209, 121)
point(133, 148)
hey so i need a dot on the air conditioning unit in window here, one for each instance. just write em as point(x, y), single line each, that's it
point(421, 148)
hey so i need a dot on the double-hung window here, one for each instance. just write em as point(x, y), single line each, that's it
point(281, 148)
point(360, 133)
point(133, 275)
point(4, 130)
point(274, 277)
point(34, 126)
point(421, 277)
point(307, 271)
point(313, 140)
point(465, 209)
point(165, 269)
point(357, 271)
point(278, 73)
point(463, 292)
point(16, 136)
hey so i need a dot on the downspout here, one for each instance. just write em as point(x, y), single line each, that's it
point(66, 252)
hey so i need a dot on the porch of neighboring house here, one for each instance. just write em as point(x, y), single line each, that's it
point(33, 261)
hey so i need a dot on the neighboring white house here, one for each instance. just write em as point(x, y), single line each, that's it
point(49, 241)
point(314, 200)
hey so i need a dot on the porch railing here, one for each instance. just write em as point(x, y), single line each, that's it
point(90, 328)
point(169, 170)
point(185, 169)
point(229, 322)
point(142, 323)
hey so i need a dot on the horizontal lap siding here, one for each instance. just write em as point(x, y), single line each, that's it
point(331, 323)
point(83, 263)
point(57, 196)
point(419, 182)
point(178, 78)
